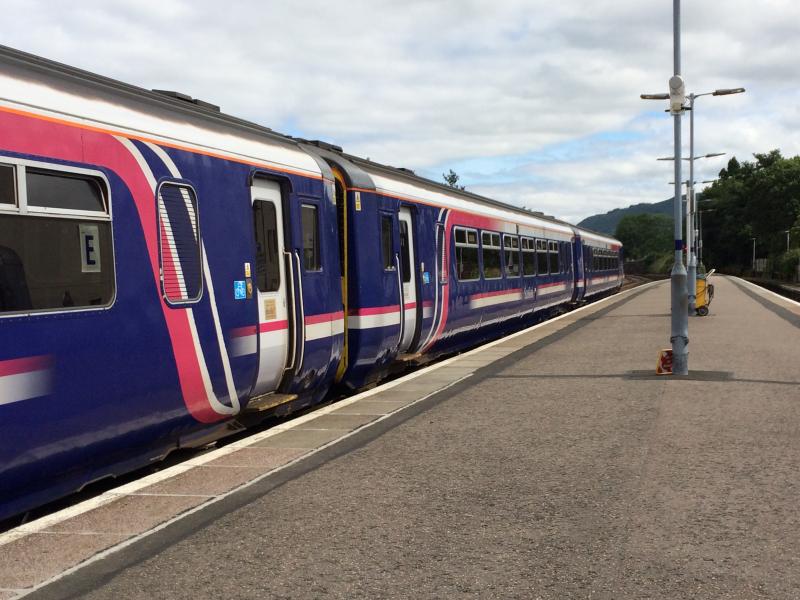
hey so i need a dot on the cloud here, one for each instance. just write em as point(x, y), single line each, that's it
point(532, 102)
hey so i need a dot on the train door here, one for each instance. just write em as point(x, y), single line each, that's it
point(576, 252)
point(271, 286)
point(409, 309)
point(342, 222)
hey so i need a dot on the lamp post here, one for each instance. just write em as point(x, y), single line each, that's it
point(691, 227)
point(787, 239)
point(754, 256)
point(692, 271)
point(679, 330)
point(699, 216)
point(700, 213)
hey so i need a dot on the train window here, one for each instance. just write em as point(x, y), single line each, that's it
point(268, 275)
point(52, 263)
point(55, 261)
point(467, 254)
point(528, 256)
point(491, 255)
point(404, 252)
point(512, 257)
point(555, 267)
point(541, 257)
point(62, 191)
point(181, 260)
point(386, 243)
point(310, 224)
point(587, 259)
point(8, 185)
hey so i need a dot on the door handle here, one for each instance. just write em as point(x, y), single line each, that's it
point(302, 311)
point(290, 263)
point(402, 301)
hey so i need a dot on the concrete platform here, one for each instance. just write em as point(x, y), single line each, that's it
point(553, 464)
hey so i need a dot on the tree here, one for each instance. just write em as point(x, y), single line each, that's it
point(645, 236)
point(451, 179)
point(753, 199)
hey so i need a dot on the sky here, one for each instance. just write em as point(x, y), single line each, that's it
point(535, 103)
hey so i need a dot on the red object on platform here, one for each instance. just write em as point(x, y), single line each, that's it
point(664, 364)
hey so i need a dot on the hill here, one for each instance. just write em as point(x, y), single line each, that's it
point(607, 223)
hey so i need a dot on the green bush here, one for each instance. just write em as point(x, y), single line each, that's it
point(786, 264)
point(661, 263)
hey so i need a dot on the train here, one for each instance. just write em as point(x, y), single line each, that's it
point(170, 274)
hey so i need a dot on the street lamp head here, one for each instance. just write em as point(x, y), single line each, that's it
point(654, 96)
point(713, 154)
point(727, 91)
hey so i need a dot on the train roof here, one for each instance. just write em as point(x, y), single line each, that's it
point(402, 174)
point(593, 236)
point(199, 113)
point(406, 184)
point(63, 93)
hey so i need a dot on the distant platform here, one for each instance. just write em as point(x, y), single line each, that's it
point(550, 464)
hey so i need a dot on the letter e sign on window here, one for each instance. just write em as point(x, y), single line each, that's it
point(90, 248)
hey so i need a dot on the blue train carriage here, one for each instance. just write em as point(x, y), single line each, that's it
point(161, 266)
point(427, 269)
point(599, 264)
point(169, 274)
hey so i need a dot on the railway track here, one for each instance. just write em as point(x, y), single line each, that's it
point(791, 291)
point(632, 281)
